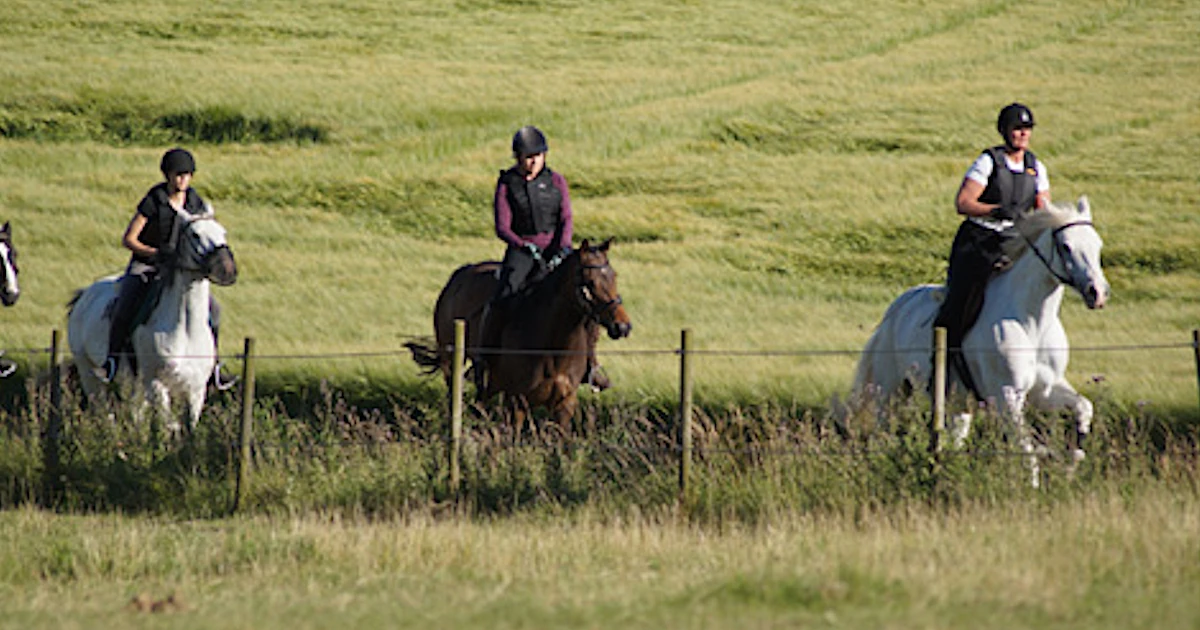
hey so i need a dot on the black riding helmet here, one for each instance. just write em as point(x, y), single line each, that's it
point(177, 161)
point(528, 140)
point(1013, 116)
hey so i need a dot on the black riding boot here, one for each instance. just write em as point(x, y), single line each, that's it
point(130, 290)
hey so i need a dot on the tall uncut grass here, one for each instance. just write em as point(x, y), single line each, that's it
point(1113, 560)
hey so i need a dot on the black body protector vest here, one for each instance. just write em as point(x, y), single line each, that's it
point(1007, 188)
point(161, 219)
point(536, 204)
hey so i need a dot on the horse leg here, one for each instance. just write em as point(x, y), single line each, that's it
point(564, 401)
point(87, 378)
point(518, 410)
point(1061, 395)
point(195, 404)
point(1014, 408)
point(158, 401)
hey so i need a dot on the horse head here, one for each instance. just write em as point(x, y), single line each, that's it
point(204, 249)
point(10, 290)
point(596, 289)
point(1073, 253)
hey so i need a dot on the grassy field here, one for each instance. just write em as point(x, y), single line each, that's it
point(1108, 561)
point(774, 174)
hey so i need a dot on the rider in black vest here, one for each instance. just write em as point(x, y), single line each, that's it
point(533, 217)
point(1004, 182)
point(151, 236)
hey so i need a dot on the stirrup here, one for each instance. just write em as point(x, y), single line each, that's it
point(6, 367)
point(108, 370)
point(221, 382)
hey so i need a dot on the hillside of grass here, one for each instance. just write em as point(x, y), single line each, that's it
point(774, 173)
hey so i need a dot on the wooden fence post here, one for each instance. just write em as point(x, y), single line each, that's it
point(456, 403)
point(685, 413)
point(937, 421)
point(51, 472)
point(1196, 354)
point(246, 434)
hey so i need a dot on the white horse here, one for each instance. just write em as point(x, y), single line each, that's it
point(1017, 350)
point(174, 347)
point(10, 289)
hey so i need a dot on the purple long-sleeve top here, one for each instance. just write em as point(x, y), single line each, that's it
point(503, 215)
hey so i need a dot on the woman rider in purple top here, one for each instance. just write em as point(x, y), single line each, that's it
point(533, 217)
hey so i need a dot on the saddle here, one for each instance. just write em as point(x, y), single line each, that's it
point(141, 311)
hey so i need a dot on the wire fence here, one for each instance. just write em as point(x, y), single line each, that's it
point(39, 351)
point(682, 438)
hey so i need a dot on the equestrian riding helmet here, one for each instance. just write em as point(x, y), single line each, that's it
point(528, 140)
point(1013, 116)
point(177, 161)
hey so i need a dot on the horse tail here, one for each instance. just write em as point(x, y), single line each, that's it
point(864, 374)
point(426, 354)
point(74, 300)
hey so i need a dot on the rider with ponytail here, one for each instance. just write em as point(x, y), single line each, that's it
point(151, 236)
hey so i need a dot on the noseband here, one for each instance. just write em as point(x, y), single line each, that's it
point(593, 310)
point(1059, 248)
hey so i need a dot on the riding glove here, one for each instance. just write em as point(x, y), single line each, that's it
point(164, 256)
point(559, 257)
point(534, 251)
point(1004, 213)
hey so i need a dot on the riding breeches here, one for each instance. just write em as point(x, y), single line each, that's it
point(976, 255)
point(132, 289)
point(517, 269)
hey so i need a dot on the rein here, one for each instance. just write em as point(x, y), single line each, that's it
point(1048, 261)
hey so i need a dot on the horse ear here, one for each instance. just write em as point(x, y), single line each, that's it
point(604, 246)
point(584, 245)
point(6, 229)
point(1083, 205)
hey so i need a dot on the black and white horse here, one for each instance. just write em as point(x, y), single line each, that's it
point(10, 289)
point(174, 347)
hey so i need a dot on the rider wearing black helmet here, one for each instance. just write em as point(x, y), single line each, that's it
point(532, 211)
point(1003, 183)
point(151, 236)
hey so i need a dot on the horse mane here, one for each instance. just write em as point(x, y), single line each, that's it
point(1053, 216)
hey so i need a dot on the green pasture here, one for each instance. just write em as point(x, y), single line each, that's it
point(774, 173)
point(1108, 561)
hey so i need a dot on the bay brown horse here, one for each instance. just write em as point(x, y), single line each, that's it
point(542, 357)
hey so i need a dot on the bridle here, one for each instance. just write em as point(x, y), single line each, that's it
point(196, 256)
point(9, 260)
point(1059, 249)
point(583, 295)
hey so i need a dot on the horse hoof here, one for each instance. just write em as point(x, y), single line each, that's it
point(598, 380)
